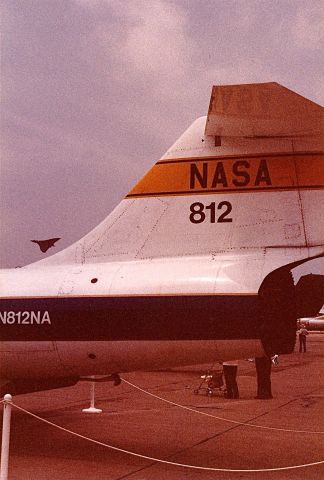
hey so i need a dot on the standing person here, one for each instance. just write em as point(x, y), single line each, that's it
point(275, 360)
point(263, 370)
point(302, 338)
point(230, 372)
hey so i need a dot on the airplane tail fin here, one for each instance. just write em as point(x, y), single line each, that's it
point(250, 175)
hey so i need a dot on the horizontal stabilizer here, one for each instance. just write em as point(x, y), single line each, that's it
point(262, 110)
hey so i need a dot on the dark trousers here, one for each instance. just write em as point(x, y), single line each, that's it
point(263, 370)
point(302, 343)
point(230, 372)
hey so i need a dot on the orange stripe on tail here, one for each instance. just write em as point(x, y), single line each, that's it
point(220, 175)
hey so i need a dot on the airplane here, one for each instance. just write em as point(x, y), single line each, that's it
point(312, 323)
point(44, 245)
point(207, 258)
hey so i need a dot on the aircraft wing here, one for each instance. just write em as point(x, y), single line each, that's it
point(262, 110)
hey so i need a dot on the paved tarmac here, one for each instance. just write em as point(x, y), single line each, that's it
point(135, 421)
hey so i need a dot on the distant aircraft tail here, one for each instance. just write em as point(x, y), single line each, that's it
point(249, 176)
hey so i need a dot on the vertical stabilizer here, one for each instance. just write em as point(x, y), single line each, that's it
point(250, 177)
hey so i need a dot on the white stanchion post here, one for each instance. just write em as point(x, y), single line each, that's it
point(5, 436)
point(92, 408)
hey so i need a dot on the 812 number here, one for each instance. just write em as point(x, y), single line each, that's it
point(198, 214)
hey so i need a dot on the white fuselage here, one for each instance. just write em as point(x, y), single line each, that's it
point(186, 269)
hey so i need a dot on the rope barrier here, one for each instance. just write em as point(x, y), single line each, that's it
point(159, 460)
point(220, 418)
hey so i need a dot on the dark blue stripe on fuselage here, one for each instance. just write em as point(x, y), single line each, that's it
point(185, 317)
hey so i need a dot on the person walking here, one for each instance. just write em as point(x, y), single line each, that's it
point(302, 333)
point(263, 371)
point(230, 371)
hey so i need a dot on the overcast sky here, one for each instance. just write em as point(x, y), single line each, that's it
point(95, 91)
